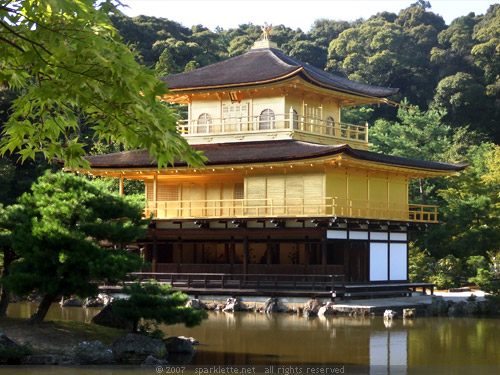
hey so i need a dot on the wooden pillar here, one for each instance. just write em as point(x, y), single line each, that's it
point(308, 255)
point(323, 255)
point(155, 254)
point(178, 255)
point(155, 191)
point(120, 189)
point(245, 256)
point(232, 255)
point(347, 266)
point(269, 253)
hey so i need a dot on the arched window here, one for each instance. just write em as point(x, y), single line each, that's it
point(266, 119)
point(203, 122)
point(330, 122)
point(295, 119)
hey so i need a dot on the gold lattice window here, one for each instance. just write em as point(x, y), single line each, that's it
point(239, 191)
point(167, 193)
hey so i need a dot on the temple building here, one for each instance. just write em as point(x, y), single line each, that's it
point(288, 190)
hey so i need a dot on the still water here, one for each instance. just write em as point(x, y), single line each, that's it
point(425, 345)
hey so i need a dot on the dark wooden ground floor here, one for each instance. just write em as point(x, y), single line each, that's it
point(347, 260)
point(285, 256)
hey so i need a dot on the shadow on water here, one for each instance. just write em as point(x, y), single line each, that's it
point(56, 312)
point(422, 346)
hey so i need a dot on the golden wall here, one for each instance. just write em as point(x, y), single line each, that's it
point(280, 104)
point(331, 192)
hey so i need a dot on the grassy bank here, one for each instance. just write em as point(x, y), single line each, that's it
point(57, 336)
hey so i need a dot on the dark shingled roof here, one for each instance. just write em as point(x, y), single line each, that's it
point(266, 65)
point(265, 151)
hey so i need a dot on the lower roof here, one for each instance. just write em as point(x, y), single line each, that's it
point(266, 152)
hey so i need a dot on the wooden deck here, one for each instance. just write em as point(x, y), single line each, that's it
point(275, 285)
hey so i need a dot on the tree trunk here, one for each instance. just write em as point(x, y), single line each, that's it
point(4, 302)
point(135, 324)
point(42, 310)
point(8, 257)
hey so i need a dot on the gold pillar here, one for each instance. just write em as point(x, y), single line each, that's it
point(121, 185)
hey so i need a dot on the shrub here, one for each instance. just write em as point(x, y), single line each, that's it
point(158, 303)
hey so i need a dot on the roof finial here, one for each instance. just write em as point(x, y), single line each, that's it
point(265, 42)
point(266, 30)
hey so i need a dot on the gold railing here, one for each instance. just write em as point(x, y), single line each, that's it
point(248, 124)
point(289, 207)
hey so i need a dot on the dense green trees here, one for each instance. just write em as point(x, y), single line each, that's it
point(70, 71)
point(57, 239)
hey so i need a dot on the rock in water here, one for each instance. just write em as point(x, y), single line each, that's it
point(390, 315)
point(152, 361)
point(91, 353)
point(191, 340)
point(93, 302)
point(326, 310)
point(196, 304)
point(180, 350)
point(234, 304)
point(179, 345)
point(133, 349)
point(271, 306)
point(5, 342)
point(108, 318)
point(311, 308)
point(42, 360)
point(438, 307)
point(409, 313)
point(72, 302)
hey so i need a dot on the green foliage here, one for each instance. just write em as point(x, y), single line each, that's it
point(482, 278)
point(356, 115)
point(58, 237)
point(448, 272)
point(191, 65)
point(67, 62)
point(13, 355)
point(157, 302)
point(420, 266)
point(469, 211)
point(419, 135)
point(166, 65)
point(494, 258)
point(477, 269)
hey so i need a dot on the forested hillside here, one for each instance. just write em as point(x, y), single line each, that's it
point(453, 68)
point(449, 80)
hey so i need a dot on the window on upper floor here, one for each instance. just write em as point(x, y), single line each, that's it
point(168, 193)
point(266, 119)
point(330, 122)
point(203, 123)
point(239, 191)
point(235, 116)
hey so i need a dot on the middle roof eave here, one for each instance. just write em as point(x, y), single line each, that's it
point(268, 152)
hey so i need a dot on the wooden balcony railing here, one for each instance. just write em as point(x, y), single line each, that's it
point(289, 207)
point(251, 124)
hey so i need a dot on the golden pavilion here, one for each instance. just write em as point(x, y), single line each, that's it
point(290, 199)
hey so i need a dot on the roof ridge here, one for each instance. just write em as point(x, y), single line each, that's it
point(280, 60)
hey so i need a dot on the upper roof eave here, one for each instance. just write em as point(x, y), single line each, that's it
point(266, 65)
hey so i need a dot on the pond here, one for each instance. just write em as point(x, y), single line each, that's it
point(471, 345)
